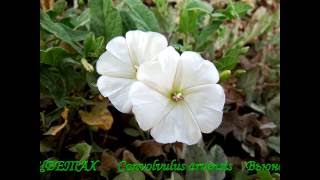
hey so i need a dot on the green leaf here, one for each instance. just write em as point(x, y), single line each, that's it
point(96, 148)
point(165, 16)
point(71, 13)
point(74, 80)
point(59, 6)
point(241, 8)
point(237, 9)
point(162, 6)
point(57, 82)
point(52, 81)
point(229, 59)
point(264, 175)
point(75, 35)
point(217, 155)
point(191, 11)
point(180, 48)
point(127, 21)
point(77, 101)
point(81, 20)
point(52, 56)
point(105, 20)
point(188, 21)
point(273, 142)
point(82, 149)
point(247, 83)
point(197, 5)
point(142, 16)
point(273, 110)
point(132, 132)
point(241, 176)
point(204, 39)
point(91, 79)
point(45, 147)
point(93, 46)
point(131, 175)
point(196, 153)
point(52, 116)
point(62, 31)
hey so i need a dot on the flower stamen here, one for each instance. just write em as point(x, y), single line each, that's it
point(136, 67)
point(177, 96)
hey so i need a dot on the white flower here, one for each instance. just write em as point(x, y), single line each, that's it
point(177, 97)
point(118, 65)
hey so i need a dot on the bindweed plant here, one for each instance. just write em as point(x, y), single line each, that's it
point(236, 43)
point(72, 39)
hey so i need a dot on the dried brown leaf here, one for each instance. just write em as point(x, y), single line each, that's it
point(235, 161)
point(108, 161)
point(239, 125)
point(46, 5)
point(119, 151)
point(65, 114)
point(167, 148)
point(248, 120)
point(246, 64)
point(178, 149)
point(227, 124)
point(267, 127)
point(261, 143)
point(244, 125)
point(233, 96)
point(149, 148)
point(55, 129)
point(99, 117)
point(149, 2)
point(129, 157)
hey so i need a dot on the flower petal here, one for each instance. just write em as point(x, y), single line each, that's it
point(116, 60)
point(206, 102)
point(145, 46)
point(193, 70)
point(177, 125)
point(117, 90)
point(148, 105)
point(159, 75)
point(119, 49)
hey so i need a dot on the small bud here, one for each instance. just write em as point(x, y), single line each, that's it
point(245, 49)
point(224, 75)
point(239, 72)
point(87, 65)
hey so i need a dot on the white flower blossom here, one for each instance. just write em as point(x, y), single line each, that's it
point(178, 97)
point(118, 65)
